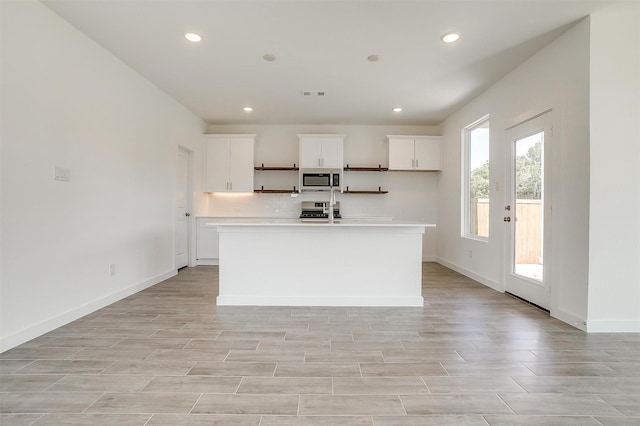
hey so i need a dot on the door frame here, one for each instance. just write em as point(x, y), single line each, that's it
point(188, 205)
point(543, 121)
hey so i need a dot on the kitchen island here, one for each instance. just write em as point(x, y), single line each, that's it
point(347, 263)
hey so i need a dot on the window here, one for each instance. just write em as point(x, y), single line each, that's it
point(475, 180)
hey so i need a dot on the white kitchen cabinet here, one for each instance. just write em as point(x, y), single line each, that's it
point(229, 163)
point(420, 153)
point(321, 151)
point(207, 241)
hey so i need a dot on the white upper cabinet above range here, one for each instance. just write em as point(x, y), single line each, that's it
point(419, 153)
point(229, 163)
point(321, 151)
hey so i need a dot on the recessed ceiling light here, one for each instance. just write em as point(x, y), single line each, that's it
point(193, 37)
point(269, 57)
point(373, 58)
point(247, 109)
point(449, 37)
point(397, 109)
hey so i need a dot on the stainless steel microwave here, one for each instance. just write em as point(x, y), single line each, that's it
point(320, 181)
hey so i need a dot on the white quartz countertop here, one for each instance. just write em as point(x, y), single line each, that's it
point(275, 222)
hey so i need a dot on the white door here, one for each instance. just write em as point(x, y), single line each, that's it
point(427, 153)
point(217, 165)
point(183, 180)
point(331, 149)
point(310, 152)
point(401, 154)
point(241, 165)
point(526, 213)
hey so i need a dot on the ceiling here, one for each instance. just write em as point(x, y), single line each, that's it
point(323, 46)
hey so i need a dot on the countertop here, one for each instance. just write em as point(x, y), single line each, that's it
point(347, 222)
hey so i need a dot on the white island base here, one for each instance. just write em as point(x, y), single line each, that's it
point(292, 263)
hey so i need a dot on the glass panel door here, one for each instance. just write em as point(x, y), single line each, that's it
point(529, 207)
point(526, 213)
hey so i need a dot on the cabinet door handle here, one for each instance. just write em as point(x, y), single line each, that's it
point(230, 186)
point(417, 164)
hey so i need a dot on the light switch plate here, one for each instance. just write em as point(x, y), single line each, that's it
point(62, 174)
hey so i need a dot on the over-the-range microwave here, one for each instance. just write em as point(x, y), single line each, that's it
point(319, 181)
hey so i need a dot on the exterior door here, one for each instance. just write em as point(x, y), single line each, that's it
point(526, 212)
point(183, 180)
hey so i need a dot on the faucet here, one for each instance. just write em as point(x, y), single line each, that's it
point(332, 202)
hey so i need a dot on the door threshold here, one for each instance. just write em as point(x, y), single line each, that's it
point(528, 302)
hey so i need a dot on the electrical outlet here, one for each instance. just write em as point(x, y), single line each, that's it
point(112, 269)
point(62, 174)
point(470, 254)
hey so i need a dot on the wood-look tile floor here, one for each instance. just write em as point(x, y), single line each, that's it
point(169, 356)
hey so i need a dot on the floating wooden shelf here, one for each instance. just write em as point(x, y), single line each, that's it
point(366, 169)
point(364, 192)
point(275, 191)
point(277, 168)
point(294, 190)
point(351, 191)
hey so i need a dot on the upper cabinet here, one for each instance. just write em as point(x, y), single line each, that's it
point(415, 153)
point(229, 163)
point(321, 151)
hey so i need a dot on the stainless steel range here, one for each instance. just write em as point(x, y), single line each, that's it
point(319, 210)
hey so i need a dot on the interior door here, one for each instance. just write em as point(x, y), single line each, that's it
point(526, 213)
point(183, 181)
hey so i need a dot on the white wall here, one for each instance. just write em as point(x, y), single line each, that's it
point(614, 229)
point(555, 78)
point(68, 102)
point(412, 196)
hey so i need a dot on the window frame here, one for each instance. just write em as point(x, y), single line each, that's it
point(465, 201)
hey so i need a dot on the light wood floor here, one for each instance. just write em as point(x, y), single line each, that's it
point(169, 356)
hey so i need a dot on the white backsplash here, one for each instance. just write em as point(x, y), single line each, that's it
point(286, 206)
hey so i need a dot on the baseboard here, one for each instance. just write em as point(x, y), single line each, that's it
point(428, 258)
point(207, 262)
point(318, 301)
point(480, 278)
point(570, 319)
point(52, 323)
point(613, 326)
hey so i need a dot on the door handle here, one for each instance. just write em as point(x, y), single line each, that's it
point(187, 214)
point(507, 219)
